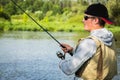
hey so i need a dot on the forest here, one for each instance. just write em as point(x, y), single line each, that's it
point(55, 15)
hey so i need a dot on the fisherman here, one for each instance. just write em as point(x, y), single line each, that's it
point(94, 58)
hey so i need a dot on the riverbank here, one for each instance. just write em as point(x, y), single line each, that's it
point(51, 24)
point(55, 26)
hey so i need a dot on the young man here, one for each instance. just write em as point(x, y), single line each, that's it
point(94, 58)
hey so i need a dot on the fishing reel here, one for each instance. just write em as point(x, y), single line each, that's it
point(60, 55)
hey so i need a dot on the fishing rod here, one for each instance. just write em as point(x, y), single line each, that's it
point(59, 54)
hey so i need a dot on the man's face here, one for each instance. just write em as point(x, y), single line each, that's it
point(88, 22)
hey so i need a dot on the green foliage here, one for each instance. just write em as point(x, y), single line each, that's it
point(10, 9)
point(114, 29)
point(4, 15)
point(4, 25)
point(114, 8)
point(1, 8)
point(54, 15)
point(76, 19)
point(25, 18)
point(56, 9)
point(39, 15)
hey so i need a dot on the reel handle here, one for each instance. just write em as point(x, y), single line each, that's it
point(60, 55)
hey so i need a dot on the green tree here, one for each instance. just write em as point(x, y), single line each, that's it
point(4, 15)
point(10, 8)
point(25, 18)
point(47, 6)
point(1, 8)
point(56, 9)
point(38, 5)
point(114, 9)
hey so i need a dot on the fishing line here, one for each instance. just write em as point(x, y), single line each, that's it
point(42, 29)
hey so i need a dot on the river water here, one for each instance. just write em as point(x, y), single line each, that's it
point(32, 55)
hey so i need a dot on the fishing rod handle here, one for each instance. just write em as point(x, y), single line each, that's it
point(68, 51)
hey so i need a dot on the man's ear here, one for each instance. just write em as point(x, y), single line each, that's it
point(96, 20)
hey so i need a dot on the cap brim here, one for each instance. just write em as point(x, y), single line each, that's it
point(107, 20)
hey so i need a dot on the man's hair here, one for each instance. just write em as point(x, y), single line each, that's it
point(101, 22)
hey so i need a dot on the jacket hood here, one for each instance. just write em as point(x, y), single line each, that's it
point(103, 35)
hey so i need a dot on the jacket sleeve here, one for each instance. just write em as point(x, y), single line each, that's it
point(85, 50)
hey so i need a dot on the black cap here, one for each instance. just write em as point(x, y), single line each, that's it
point(99, 10)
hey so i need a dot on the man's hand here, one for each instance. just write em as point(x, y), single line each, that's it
point(67, 48)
